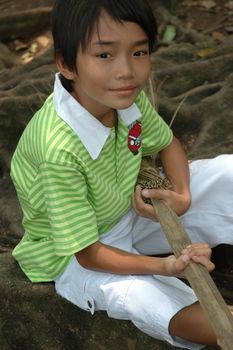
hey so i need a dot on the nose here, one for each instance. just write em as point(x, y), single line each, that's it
point(124, 68)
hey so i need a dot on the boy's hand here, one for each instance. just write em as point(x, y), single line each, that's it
point(198, 252)
point(178, 202)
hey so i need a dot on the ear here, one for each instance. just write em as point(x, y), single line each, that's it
point(62, 67)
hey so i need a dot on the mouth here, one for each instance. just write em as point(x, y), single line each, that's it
point(125, 90)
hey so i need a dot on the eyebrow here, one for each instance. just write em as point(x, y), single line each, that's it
point(108, 43)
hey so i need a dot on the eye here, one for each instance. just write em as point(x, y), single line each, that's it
point(140, 53)
point(104, 55)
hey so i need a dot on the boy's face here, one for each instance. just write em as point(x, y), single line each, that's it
point(114, 67)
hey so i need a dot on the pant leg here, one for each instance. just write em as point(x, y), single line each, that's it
point(148, 302)
point(210, 217)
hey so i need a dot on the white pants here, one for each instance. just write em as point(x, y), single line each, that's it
point(151, 301)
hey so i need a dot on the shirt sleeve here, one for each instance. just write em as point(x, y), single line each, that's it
point(156, 134)
point(71, 217)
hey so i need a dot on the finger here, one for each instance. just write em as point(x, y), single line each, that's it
point(138, 200)
point(197, 251)
point(203, 260)
point(140, 207)
point(134, 203)
point(200, 249)
point(198, 244)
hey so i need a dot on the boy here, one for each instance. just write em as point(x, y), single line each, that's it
point(75, 171)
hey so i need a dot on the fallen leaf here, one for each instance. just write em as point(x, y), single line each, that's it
point(19, 45)
point(190, 3)
point(208, 4)
point(218, 36)
point(203, 53)
point(27, 57)
point(229, 29)
point(43, 41)
point(169, 33)
point(33, 48)
point(229, 5)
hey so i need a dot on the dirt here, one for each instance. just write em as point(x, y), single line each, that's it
point(214, 18)
point(9, 6)
point(209, 17)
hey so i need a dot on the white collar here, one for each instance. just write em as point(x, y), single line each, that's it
point(92, 133)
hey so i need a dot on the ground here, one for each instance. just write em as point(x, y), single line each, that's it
point(192, 80)
point(211, 17)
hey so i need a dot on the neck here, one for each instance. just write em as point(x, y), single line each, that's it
point(109, 119)
point(107, 116)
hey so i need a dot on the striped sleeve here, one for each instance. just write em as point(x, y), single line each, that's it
point(72, 219)
point(156, 134)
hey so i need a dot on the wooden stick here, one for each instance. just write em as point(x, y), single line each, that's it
point(198, 276)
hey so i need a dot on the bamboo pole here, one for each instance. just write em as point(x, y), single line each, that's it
point(198, 276)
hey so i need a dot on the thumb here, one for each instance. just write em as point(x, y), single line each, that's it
point(182, 262)
point(154, 193)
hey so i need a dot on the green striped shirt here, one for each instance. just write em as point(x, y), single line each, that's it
point(67, 197)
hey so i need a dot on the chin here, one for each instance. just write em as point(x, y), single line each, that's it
point(124, 103)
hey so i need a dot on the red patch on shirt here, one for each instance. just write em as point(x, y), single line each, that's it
point(135, 137)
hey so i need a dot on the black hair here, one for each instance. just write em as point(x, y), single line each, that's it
point(73, 22)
